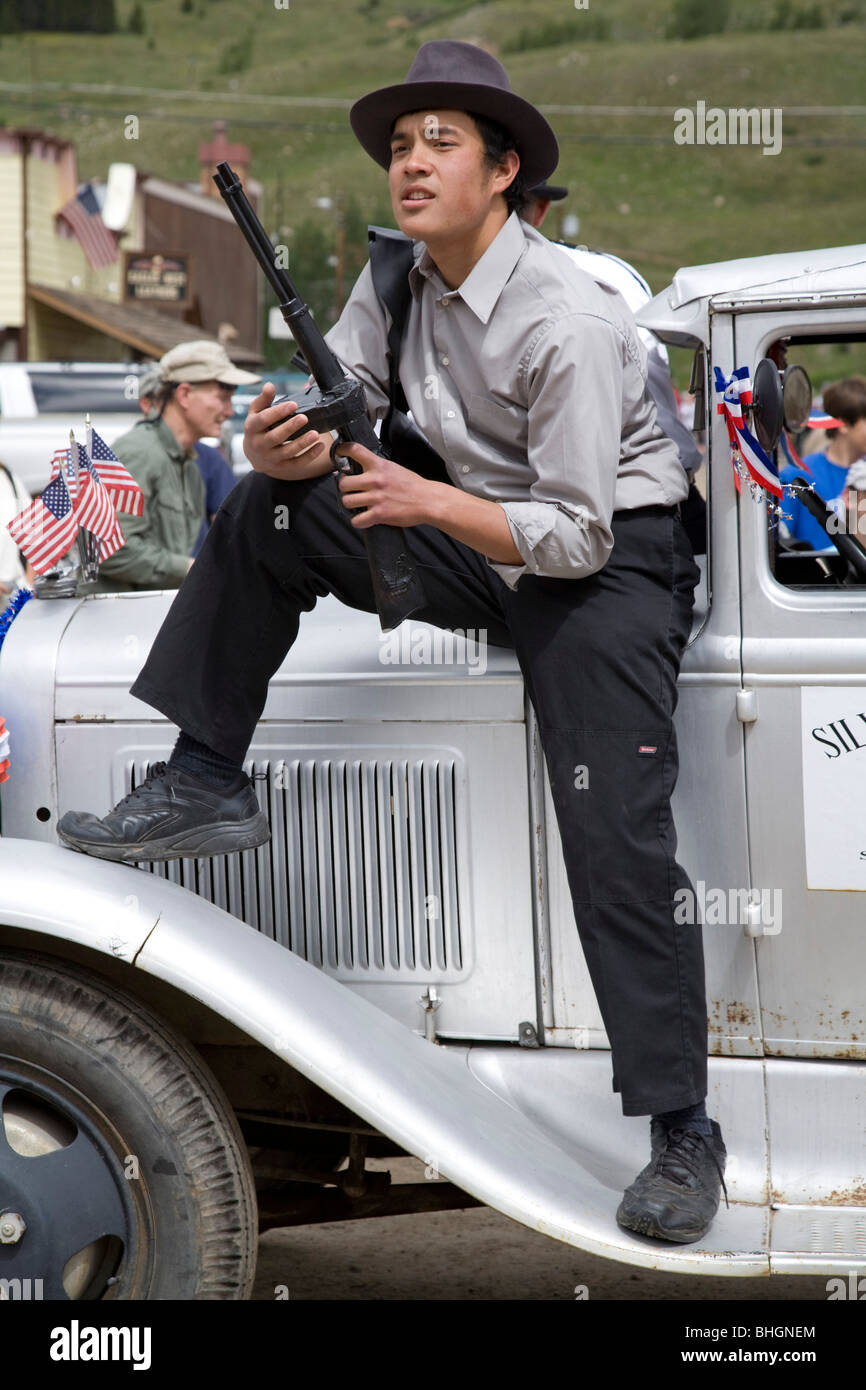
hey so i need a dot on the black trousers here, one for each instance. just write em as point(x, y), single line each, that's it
point(600, 657)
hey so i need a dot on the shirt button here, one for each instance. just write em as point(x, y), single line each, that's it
point(445, 361)
point(450, 414)
point(465, 468)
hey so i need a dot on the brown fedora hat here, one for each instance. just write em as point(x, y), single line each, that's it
point(448, 75)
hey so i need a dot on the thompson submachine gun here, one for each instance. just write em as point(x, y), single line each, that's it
point(338, 402)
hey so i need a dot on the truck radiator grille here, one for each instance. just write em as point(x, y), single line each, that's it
point(360, 875)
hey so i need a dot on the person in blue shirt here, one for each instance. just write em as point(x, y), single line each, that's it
point(218, 483)
point(846, 402)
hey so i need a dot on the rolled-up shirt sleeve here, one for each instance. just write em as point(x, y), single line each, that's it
point(575, 378)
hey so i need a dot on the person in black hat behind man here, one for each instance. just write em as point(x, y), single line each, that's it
point(556, 530)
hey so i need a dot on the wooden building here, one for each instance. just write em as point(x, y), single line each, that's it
point(171, 265)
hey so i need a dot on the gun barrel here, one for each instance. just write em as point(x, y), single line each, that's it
point(295, 312)
point(397, 586)
point(233, 195)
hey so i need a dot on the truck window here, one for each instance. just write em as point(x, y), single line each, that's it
point(73, 392)
point(801, 552)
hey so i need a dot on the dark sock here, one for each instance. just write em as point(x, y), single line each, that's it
point(691, 1117)
point(202, 762)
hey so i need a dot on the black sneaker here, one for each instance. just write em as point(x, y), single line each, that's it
point(677, 1194)
point(172, 815)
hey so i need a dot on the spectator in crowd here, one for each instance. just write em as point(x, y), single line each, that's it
point(14, 570)
point(192, 398)
point(846, 402)
point(218, 476)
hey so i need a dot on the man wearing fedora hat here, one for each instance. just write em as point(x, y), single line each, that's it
point(190, 392)
point(554, 528)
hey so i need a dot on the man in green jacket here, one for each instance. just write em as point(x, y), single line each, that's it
point(193, 398)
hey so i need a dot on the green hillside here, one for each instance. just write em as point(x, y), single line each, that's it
point(283, 79)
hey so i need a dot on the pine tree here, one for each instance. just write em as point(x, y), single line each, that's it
point(104, 17)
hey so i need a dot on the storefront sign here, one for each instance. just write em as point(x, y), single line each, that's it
point(154, 278)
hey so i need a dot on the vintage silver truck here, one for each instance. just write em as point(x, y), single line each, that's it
point(188, 1054)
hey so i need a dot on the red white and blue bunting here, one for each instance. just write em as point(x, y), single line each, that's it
point(749, 460)
point(21, 596)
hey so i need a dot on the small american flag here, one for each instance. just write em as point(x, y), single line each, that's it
point(4, 752)
point(46, 529)
point(83, 215)
point(95, 509)
point(125, 492)
point(62, 459)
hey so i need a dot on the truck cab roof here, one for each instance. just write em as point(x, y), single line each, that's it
point(680, 314)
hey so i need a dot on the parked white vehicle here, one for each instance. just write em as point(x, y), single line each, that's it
point(399, 970)
point(41, 401)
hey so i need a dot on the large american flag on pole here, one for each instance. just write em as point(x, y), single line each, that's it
point(119, 482)
point(84, 217)
point(46, 529)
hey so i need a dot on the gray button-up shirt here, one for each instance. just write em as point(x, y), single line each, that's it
point(530, 381)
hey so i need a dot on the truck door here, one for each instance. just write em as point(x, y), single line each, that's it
point(709, 809)
point(804, 657)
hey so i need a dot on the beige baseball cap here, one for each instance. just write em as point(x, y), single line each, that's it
point(149, 380)
point(202, 360)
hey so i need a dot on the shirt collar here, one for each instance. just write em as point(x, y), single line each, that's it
point(487, 278)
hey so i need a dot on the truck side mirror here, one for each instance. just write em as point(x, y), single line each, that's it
point(767, 404)
point(698, 388)
point(796, 398)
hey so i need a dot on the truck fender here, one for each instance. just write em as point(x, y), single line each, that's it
point(423, 1096)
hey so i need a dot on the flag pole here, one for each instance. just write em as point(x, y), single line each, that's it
point(80, 538)
point(84, 536)
point(92, 541)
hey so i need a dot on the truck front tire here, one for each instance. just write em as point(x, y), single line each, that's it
point(123, 1173)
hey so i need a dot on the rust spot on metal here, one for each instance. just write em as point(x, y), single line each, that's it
point(740, 1013)
point(713, 1023)
point(847, 1197)
point(845, 1015)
